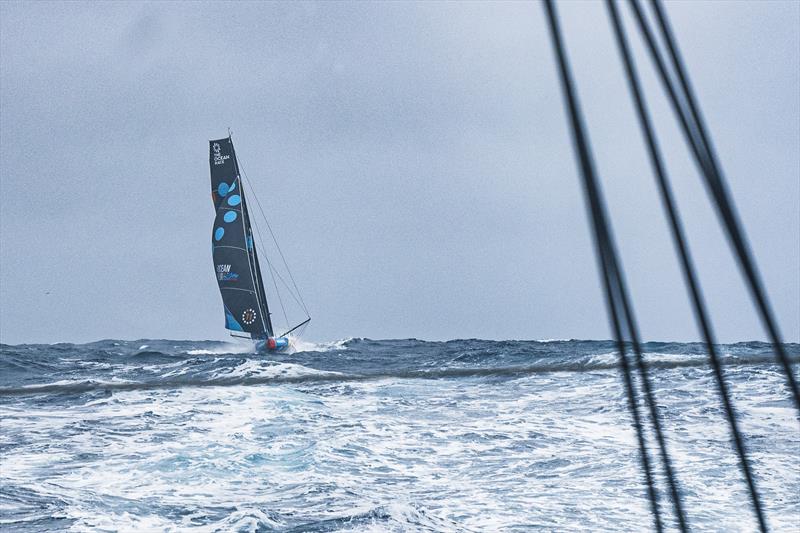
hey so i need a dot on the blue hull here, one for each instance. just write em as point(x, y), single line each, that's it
point(272, 344)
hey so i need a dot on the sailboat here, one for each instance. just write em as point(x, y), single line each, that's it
point(236, 262)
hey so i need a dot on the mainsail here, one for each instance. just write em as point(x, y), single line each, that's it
point(235, 258)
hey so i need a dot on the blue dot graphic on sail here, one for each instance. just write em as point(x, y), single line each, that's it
point(223, 189)
point(218, 233)
point(229, 216)
point(234, 200)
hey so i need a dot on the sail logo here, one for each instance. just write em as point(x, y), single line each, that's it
point(249, 316)
point(219, 159)
point(224, 273)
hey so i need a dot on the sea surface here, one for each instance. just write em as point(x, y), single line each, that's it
point(391, 435)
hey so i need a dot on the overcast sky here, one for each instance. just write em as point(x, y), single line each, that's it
point(413, 159)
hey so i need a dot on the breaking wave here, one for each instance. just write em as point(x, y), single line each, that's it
point(376, 435)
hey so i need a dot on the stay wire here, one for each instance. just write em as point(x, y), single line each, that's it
point(668, 203)
point(687, 110)
point(699, 307)
point(614, 288)
point(274, 271)
point(649, 395)
point(605, 252)
point(269, 265)
point(254, 223)
point(660, 437)
point(746, 260)
point(288, 289)
point(278, 247)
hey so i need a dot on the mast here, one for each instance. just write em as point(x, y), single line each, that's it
point(253, 255)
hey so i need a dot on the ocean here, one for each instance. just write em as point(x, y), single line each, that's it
point(379, 435)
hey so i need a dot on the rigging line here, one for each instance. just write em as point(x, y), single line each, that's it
point(280, 299)
point(746, 259)
point(649, 395)
point(700, 313)
point(605, 252)
point(272, 274)
point(674, 218)
point(705, 156)
point(288, 289)
point(261, 242)
point(273, 270)
point(277, 292)
point(280, 252)
point(612, 308)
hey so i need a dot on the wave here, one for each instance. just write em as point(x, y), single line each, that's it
point(296, 345)
point(252, 373)
point(299, 345)
point(375, 436)
point(226, 348)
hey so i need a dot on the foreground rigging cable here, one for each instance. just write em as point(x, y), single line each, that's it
point(684, 255)
point(619, 307)
point(616, 294)
point(691, 121)
point(683, 252)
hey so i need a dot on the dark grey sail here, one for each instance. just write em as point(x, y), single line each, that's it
point(234, 252)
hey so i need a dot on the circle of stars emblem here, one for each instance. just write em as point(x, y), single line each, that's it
point(249, 316)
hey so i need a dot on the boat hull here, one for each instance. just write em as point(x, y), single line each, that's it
point(272, 344)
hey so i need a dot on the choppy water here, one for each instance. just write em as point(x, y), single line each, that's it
point(365, 435)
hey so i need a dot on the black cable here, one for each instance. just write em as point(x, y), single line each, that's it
point(695, 133)
point(605, 251)
point(301, 302)
point(272, 270)
point(686, 260)
point(680, 242)
point(746, 260)
point(632, 79)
